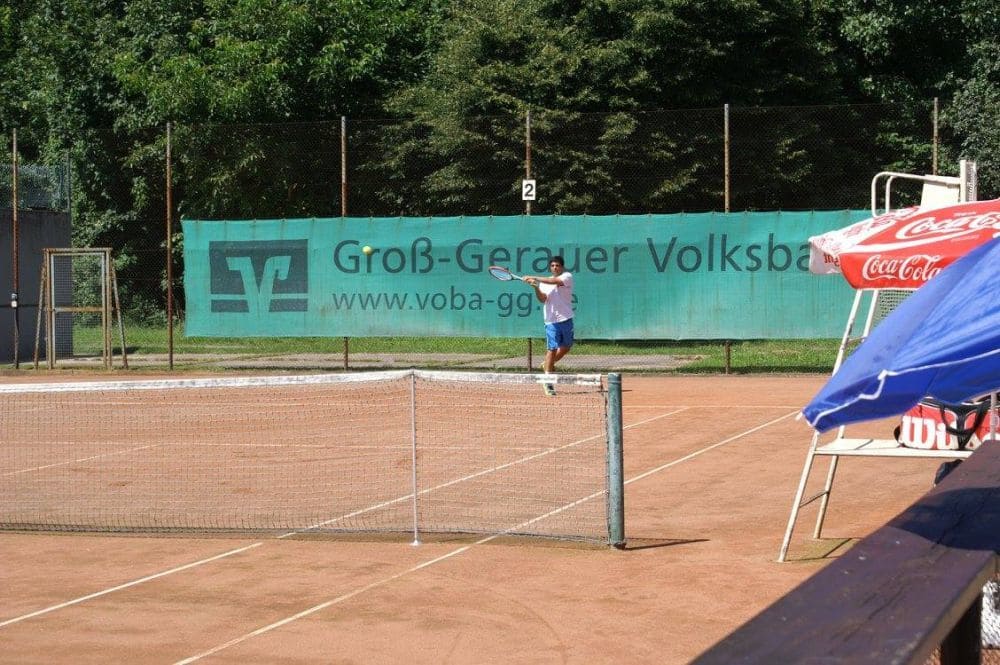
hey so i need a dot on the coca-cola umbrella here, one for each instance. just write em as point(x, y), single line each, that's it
point(942, 341)
point(904, 248)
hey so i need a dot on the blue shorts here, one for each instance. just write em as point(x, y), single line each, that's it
point(559, 335)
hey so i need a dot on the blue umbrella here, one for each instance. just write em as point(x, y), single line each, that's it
point(943, 341)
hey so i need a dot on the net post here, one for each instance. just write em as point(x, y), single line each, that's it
point(413, 455)
point(616, 477)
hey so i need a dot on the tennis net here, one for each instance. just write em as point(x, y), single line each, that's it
point(398, 451)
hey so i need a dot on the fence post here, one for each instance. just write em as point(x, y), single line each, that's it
point(170, 251)
point(725, 196)
point(725, 157)
point(14, 257)
point(527, 204)
point(343, 166)
point(343, 208)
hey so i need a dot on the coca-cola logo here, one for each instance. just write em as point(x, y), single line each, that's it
point(916, 268)
point(952, 227)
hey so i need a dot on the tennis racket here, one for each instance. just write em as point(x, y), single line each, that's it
point(503, 274)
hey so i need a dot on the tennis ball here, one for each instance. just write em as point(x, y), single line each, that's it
point(367, 250)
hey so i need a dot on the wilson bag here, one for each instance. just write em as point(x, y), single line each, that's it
point(936, 425)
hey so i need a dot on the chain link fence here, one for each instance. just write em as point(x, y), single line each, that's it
point(114, 186)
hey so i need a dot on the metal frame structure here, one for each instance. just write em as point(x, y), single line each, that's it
point(842, 444)
point(938, 190)
point(962, 189)
point(109, 306)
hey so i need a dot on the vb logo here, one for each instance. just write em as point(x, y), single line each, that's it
point(257, 277)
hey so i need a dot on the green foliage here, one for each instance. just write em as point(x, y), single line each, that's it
point(9, 92)
point(100, 79)
point(904, 50)
point(909, 52)
point(591, 74)
point(974, 114)
point(267, 60)
point(499, 57)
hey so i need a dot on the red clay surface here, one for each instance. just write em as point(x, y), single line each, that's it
point(711, 466)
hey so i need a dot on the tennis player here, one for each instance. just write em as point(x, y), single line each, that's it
point(556, 295)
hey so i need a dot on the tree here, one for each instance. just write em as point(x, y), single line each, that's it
point(107, 75)
point(568, 62)
point(974, 114)
point(903, 50)
point(268, 60)
point(10, 95)
point(910, 52)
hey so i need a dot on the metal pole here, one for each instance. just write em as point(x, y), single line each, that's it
point(968, 173)
point(725, 156)
point(527, 204)
point(994, 416)
point(616, 476)
point(527, 155)
point(106, 306)
point(934, 144)
point(343, 166)
point(15, 268)
point(117, 304)
point(343, 205)
point(50, 312)
point(170, 253)
point(725, 195)
point(69, 189)
point(413, 453)
point(41, 304)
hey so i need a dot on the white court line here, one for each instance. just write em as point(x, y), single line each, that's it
point(82, 459)
point(98, 594)
point(377, 583)
point(711, 447)
point(662, 415)
point(492, 469)
point(386, 580)
point(328, 603)
point(337, 519)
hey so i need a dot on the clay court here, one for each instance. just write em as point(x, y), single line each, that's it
point(711, 465)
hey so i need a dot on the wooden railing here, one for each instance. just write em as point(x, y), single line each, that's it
point(897, 595)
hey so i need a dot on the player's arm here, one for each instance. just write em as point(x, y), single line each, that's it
point(532, 281)
point(558, 281)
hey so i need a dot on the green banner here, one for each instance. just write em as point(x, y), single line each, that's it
point(681, 276)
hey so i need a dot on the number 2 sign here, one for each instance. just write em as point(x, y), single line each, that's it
point(528, 190)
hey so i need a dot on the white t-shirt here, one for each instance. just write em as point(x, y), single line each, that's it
point(558, 299)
